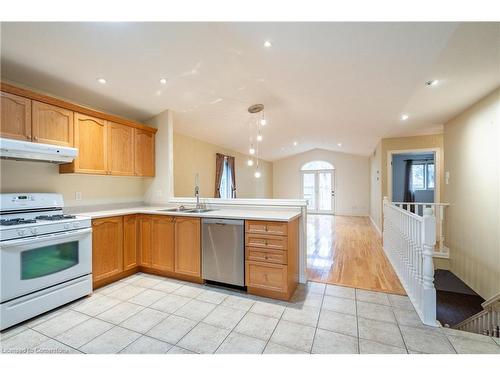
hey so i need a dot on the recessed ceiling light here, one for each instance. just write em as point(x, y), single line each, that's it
point(102, 81)
point(339, 144)
point(432, 82)
point(163, 81)
point(295, 143)
point(404, 117)
point(268, 44)
point(158, 92)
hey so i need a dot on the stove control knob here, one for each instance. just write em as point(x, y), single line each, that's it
point(76, 225)
point(34, 230)
point(66, 226)
point(21, 232)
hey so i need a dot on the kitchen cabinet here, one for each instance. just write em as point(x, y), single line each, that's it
point(271, 260)
point(121, 146)
point(106, 144)
point(107, 247)
point(15, 117)
point(187, 246)
point(91, 141)
point(51, 124)
point(130, 247)
point(145, 223)
point(144, 153)
point(163, 243)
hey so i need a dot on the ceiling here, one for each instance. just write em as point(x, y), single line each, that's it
point(321, 83)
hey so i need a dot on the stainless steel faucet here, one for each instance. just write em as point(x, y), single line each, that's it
point(197, 191)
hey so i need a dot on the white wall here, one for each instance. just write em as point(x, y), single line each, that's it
point(160, 188)
point(472, 158)
point(352, 184)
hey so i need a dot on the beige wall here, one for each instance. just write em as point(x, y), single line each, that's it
point(193, 156)
point(351, 179)
point(380, 162)
point(25, 176)
point(472, 157)
point(376, 186)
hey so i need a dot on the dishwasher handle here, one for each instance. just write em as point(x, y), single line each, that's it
point(223, 221)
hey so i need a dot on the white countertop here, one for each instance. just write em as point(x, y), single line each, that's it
point(226, 213)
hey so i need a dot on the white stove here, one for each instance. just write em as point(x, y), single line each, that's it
point(46, 256)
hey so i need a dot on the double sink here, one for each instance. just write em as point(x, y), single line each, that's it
point(188, 210)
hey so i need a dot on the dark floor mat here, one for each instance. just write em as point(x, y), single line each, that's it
point(453, 308)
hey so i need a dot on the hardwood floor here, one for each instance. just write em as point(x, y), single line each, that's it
point(346, 250)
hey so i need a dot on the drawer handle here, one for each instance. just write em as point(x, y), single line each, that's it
point(265, 277)
point(267, 229)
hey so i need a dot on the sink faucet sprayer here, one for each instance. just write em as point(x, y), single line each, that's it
point(197, 191)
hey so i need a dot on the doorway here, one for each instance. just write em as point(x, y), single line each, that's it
point(318, 187)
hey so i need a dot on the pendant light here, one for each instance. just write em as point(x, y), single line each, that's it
point(255, 129)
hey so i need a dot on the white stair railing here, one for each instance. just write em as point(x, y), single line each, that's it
point(409, 241)
point(440, 251)
point(486, 322)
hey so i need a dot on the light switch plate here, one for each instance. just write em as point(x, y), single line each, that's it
point(78, 195)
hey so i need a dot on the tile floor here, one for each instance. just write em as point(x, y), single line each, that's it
point(152, 314)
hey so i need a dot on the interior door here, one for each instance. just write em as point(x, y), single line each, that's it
point(319, 189)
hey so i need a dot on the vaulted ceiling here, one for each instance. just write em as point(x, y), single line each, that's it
point(321, 83)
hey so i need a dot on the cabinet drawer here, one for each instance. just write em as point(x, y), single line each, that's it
point(265, 255)
point(266, 276)
point(266, 227)
point(266, 241)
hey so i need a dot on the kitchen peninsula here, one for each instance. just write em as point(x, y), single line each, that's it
point(167, 241)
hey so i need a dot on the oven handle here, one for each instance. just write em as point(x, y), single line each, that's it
point(51, 236)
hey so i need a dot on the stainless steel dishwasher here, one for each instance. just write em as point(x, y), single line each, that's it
point(223, 251)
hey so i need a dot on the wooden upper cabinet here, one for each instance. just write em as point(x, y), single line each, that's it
point(51, 124)
point(144, 223)
point(16, 117)
point(91, 141)
point(144, 153)
point(187, 246)
point(121, 147)
point(163, 233)
point(107, 247)
point(130, 242)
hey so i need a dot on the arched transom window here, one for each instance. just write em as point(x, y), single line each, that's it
point(316, 165)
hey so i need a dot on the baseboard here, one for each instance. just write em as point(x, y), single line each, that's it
point(375, 226)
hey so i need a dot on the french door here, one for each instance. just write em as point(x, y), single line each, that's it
point(318, 189)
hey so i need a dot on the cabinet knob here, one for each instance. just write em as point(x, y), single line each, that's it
point(28, 137)
point(35, 138)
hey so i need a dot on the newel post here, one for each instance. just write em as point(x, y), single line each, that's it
point(428, 290)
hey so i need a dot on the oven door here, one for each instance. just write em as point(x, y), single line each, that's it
point(34, 263)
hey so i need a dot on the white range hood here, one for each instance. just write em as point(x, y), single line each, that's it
point(22, 150)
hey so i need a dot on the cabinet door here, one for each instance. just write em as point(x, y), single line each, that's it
point(52, 124)
point(162, 256)
point(91, 141)
point(16, 117)
point(187, 246)
point(144, 153)
point(120, 149)
point(129, 242)
point(145, 233)
point(107, 247)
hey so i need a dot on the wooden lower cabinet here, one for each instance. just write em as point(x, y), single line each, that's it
point(163, 243)
point(130, 253)
point(107, 247)
point(271, 260)
point(188, 246)
point(145, 226)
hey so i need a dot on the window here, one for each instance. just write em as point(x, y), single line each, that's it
point(422, 176)
point(316, 165)
point(226, 185)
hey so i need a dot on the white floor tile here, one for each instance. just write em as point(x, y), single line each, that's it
point(259, 326)
point(84, 332)
point(327, 342)
point(146, 345)
point(304, 315)
point(148, 297)
point(372, 297)
point(375, 312)
point(195, 310)
point(170, 303)
point(236, 343)
point(338, 322)
point(171, 329)
point(295, 336)
point(144, 320)
point(342, 305)
point(224, 317)
point(339, 291)
point(120, 312)
point(379, 331)
point(204, 338)
point(60, 323)
point(111, 341)
point(372, 347)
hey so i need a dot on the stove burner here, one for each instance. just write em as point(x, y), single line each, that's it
point(16, 221)
point(55, 217)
